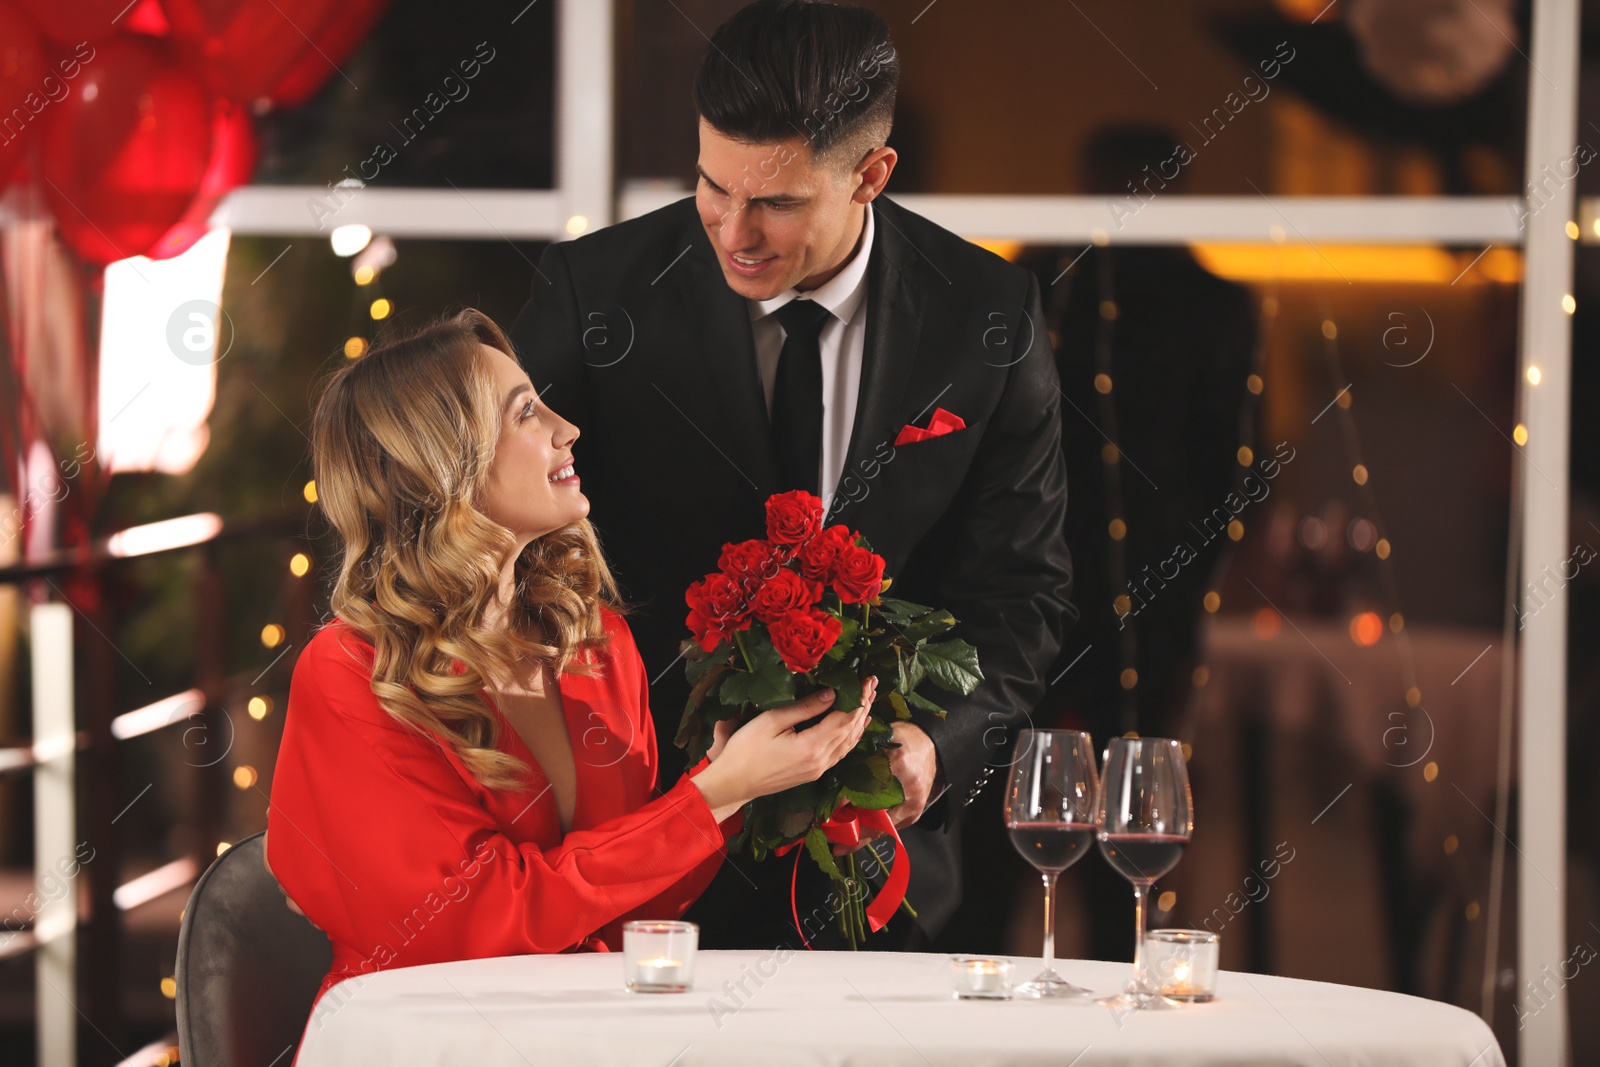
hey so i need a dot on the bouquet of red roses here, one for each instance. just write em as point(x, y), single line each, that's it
point(804, 610)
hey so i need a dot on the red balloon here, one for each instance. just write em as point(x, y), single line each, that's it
point(146, 17)
point(77, 20)
point(243, 48)
point(348, 27)
point(233, 160)
point(125, 153)
point(22, 86)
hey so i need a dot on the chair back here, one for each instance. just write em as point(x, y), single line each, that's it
point(248, 967)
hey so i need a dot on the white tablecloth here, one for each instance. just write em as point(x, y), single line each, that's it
point(876, 1009)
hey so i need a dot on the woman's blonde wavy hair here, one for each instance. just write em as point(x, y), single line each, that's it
point(401, 443)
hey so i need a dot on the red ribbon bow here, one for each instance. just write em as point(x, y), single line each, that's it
point(843, 827)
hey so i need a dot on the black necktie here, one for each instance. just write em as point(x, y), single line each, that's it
point(797, 396)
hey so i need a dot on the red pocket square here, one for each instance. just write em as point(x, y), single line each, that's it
point(939, 424)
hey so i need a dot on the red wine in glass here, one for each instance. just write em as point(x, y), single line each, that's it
point(1052, 847)
point(1051, 813)
point(1146, 819)
point(1142, 856)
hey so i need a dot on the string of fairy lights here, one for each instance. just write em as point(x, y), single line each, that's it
point(1367, 628)
point(1255, 384)
point(1112, 457)
point(1364, 533)
point(369, 256)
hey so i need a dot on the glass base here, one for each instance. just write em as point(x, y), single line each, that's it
point(1047, 983)
point(1135, 997)
point(641, 987)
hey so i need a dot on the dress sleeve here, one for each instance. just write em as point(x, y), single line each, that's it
point(385, 846)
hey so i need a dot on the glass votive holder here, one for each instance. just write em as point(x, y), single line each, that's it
point(658, 957)
point(1182, 964)
point(981, 978)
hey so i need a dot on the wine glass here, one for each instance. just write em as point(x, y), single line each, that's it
point(1050, 809)
point(1146, 819)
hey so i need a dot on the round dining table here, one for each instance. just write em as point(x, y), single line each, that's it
point(878, 1009)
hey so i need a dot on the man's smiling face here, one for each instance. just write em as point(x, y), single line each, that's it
point(776, 217)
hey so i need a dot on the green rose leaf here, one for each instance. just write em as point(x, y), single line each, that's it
point(932, 624)
point(868, 783)
point(818, 846)
point(809, 796)
point(768, 683)
point(898, 701)
point(846, 641)
point(693, 736)
point(844, 681)
point(901, 612)
point(922, 703)
point(698, 662)
point(951, 665)
point(877, 730)
point(775, 689)
point(735, 688)
point(703, 685)
point(916, 671)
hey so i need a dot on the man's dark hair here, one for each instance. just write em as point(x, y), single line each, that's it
point(822, 72)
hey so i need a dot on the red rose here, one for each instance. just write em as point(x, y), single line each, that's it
point(857, 575)
point(816, 559)
point(717, 607)
point(750, 562)
point(802, 638)
point(784, 592)
point(793, 518)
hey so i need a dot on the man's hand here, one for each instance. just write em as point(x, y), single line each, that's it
point(916, 763)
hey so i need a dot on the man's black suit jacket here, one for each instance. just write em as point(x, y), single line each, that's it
point(633, 334)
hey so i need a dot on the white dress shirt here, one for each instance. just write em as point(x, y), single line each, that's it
point(843, 340)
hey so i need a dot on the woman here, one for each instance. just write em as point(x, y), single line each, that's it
point(468, 763)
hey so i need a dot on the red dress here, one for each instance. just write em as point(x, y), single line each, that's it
point(391, 847)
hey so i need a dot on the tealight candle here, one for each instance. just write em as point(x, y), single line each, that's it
point(658, 972)
point(1182, 964)
point(979, 978)
point(658, 957)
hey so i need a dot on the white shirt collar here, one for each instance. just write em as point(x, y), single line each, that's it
point(842, 294)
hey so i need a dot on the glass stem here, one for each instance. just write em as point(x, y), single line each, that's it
point(1049, 918)
point(1140, 892)
point(854, 903)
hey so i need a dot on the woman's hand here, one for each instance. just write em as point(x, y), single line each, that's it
point(767, 755)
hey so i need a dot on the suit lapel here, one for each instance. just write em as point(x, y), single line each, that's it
point(727, 354)
point(894, 326)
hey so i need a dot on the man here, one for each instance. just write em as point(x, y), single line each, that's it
point(780, 331)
